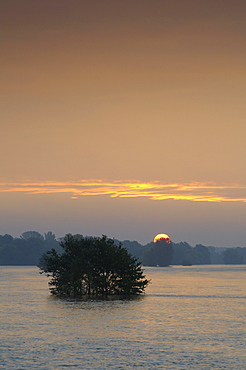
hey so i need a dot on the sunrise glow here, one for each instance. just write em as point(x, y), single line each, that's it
point(164, 237)
point(118, 118)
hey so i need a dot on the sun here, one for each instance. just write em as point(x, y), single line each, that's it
point(164, 237)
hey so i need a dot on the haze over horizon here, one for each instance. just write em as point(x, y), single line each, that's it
point(124, 118)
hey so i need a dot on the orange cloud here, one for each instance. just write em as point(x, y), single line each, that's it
point(199, 192)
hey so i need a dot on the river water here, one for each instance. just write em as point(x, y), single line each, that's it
point(189, 318)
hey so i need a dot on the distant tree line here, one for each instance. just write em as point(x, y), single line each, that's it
point(182, 253)
point(27, 249)
point(31, 245)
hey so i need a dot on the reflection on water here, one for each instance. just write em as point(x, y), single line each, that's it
point(190, 318)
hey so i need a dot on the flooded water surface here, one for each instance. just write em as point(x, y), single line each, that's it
point(189, 318)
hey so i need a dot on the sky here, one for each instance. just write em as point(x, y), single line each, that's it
point(124, 118)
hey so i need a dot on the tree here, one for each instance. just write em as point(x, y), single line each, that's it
point(6, 239)
point(27, 235)
point(49, 237)
point(93, 267)
point(232, 256)
point(160, 254)
point(182, 254)
point(202, 255)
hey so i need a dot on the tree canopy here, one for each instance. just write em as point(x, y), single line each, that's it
point(160, 254)
point(92, 266)
point(27, 249)
point(232, 256)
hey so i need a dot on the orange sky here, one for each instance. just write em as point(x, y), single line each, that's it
point(136, 92)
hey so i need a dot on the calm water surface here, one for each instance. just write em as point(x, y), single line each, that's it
point(190, 318)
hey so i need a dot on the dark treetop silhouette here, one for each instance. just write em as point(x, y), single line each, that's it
point(93, 267)
point(27, 249)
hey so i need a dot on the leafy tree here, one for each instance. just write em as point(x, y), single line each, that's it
point(232, 256)
point(215, 255)
point(160, 254)
point(27, 249)
point(6, 239)
point(182, 254)
point(93, 267)
point(49, 237)
point(27, 235)
point(202, 255)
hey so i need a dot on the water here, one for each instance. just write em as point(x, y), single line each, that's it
point(190, 318)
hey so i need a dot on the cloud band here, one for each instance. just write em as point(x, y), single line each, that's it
point(202, 192)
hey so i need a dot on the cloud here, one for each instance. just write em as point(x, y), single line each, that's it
point(199, 192)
